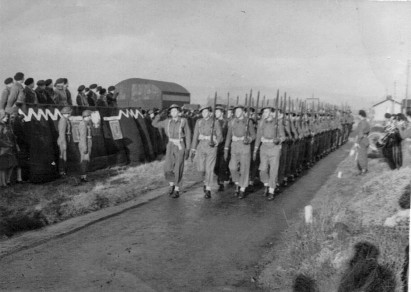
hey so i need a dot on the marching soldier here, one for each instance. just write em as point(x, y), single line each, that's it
point(362, 142)
point(239, 136)
point(207, 136)
point(179, 140)
point(221, 166)
point(85, 143)
point(270, 135)
point(64, 127)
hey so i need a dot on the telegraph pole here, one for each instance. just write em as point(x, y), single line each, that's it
point(406, 86)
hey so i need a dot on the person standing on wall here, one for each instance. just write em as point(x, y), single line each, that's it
point(85, 143)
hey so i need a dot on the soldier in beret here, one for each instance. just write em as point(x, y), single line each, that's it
point(60, 93)
point(68, 93)
point(179, 140)
point(17, 95)
point(112, 97)
point(101, 100)
point(41, 92)
point(6, 92)
point(207, 136)
point(81, 96)
point(31, 96)
point(85, 143)
point(92, 96)
point(221, 166)
point(49, 91)
point(65, 135)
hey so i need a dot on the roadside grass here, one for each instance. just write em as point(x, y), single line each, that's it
point(32, 206)
point(345, 211)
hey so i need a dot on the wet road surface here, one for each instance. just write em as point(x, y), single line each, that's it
point(185, 244)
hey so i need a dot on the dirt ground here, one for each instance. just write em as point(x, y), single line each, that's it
point(188, 244)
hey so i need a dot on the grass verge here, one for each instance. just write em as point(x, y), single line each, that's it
point(346, 210)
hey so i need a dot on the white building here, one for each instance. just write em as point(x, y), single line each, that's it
point(388, 105)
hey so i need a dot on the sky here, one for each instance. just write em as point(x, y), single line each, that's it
point(343, 52)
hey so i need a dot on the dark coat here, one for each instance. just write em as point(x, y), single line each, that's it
point(91, 98)
point(41, 96)
point(112, 99)
point(49, 92)
point(31, 96)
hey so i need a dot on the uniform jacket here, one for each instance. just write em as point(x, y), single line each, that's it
point(16, 95)
point(64, 128)
point(68, 94)
point(204, 127)
point(85, 140)
point(60, 96)
point(91, 98)
point(363, 130)
point(101, 101)
point(174, 129)
point(41, 96)
point(237, 127)
point(82, 100)
point(31, 96)
point(4, 97)
point(269, 130)
point(112, 99)
point(50, 95)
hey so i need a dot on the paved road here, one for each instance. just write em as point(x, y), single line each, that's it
point(188, 244)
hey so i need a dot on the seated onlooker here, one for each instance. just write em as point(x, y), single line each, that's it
point(102, 101)
point(31, 96)
point(6, 92)
point(60, 94)
point(41, 92)
point(81, 96)
point(7, 144)
point(112, 97)
point(16, 92)
point(49, 91)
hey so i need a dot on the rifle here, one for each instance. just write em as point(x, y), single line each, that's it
point(258, 103)
point(276, 114)
point(247, 125)
point(212, 143)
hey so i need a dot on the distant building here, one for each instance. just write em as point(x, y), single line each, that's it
point(408, 106)
point(147, 94)
point(389, 105)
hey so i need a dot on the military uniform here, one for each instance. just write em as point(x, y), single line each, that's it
point(221, 166)
point(363, 144)
point(239, 140)
point(270, 135)
point(85, 144)
point(206, 155)
point(179, 140)
point(64, 128)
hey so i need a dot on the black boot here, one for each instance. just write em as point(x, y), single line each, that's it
point(250, 188)
point(241, 195)
point(171, 190)
point(221, 187)
point(207, 194)
point(270, 197)
point(277, 189)
point(237, 191)
point(176, 194)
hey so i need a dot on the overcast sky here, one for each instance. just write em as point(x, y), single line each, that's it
point(340, 51)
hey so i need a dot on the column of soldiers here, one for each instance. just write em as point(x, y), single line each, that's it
point(280, 141)
point(20, 91)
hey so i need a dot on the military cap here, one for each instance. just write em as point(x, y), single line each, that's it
point(29, 81)
point(41, 83)
point(362, 113)
point(230, 108)
point(99, 88)
point(81, 88)
point(8, 80)
point(111, 88)
point(86, 113)
point(87, 89)
point(220, 107)
point(48, 82)
point(60, 81)
point(103, 91)
point(238, 106)
point(19, 76)
point(205, 107)
point(174, 106)
point(66, 110)
point(267, 107)
point(65, 80)
point(93, 86)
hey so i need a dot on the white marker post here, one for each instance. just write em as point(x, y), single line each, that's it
point(308, 210)
point(339, 174)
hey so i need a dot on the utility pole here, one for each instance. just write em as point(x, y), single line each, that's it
point(406, 86)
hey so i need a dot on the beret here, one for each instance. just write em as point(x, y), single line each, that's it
point(362, 113)
point(8, 80)
point(65, 80)
point(87, 89)
point(81, 88)
point(48, 82)
point(29, 81)
point(102, 91)
point(19, 76)
point(92, 86)
point(111, 88)
point(41, 83)
point(60, 81)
